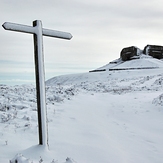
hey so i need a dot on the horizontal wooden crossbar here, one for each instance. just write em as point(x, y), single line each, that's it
point(32, 30)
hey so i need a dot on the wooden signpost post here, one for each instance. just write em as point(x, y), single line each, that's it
point(38, 33)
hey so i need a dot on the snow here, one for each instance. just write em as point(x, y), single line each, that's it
point(108, 117)
point(144, 62)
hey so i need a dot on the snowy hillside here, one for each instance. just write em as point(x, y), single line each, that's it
point(144, 62)
point(99, 117)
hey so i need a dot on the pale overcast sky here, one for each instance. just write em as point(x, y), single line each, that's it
point(100, 30)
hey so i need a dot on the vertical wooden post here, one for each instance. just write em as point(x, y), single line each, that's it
point(40, 83)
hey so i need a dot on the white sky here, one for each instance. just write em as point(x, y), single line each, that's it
point(100, 30)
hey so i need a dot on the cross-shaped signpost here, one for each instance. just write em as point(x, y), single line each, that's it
point(38, 32)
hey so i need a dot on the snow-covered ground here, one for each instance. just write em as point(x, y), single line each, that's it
point(100, 117)
point(144, 62)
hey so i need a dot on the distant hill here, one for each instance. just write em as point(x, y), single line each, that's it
point(136, 67)
point(144, 62)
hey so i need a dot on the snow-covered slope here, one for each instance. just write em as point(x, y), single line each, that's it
point(144, 62)
point(101, 117)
